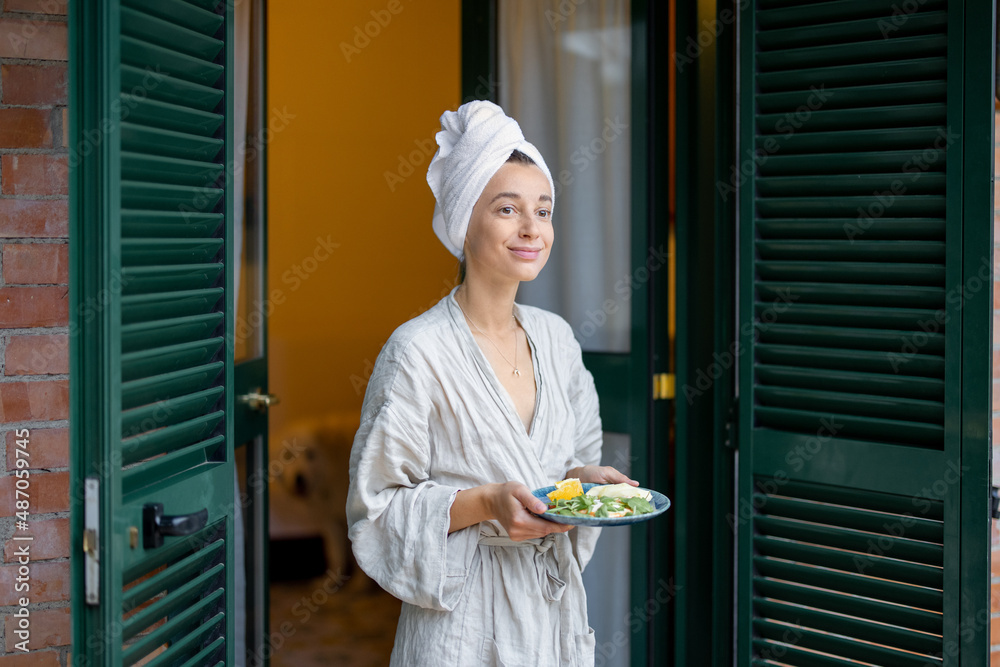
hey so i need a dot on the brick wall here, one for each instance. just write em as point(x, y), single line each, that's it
point(34, 363)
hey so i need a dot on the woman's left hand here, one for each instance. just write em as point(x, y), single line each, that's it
point(600, 475)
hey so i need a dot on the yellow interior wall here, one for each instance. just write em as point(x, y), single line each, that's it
point(341, 121)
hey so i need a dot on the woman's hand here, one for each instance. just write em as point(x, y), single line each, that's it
point(600, 475)
point(507, 503)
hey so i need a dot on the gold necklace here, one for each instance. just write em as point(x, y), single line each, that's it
point(517, 373)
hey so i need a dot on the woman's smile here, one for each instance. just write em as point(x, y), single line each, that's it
point(527, 253)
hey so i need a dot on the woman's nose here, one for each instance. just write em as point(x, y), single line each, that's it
point(529, 226)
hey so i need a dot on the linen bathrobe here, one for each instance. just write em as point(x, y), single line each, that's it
point(435, 420)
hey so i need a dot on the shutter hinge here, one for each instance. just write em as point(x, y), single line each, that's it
point(91, 537)
point(664, 386)
point(732, 432)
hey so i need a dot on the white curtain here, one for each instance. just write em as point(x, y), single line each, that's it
point(564, 76)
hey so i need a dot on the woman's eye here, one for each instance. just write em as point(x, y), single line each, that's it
point(507, 210)
point(544, 213)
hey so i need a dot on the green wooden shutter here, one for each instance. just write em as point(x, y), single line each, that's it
point(864, 178)
point(152, 331)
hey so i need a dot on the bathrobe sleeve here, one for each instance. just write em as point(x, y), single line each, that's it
point(398, 517)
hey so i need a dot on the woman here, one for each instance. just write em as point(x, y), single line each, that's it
point(470, 406)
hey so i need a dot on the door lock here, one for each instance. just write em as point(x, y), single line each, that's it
point(258, 401)
point(155, 525)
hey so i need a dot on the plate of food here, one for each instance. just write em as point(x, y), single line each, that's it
point(578, 504)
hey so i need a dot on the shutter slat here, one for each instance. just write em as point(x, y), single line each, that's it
point(910, 319)
point(853, 184)
point(800, 15)
point(887, 251)
point(169, 385)
point(161, 86)
point(144, 139)
point(891, 296)
point(875, 610)
point(920, 69)
point(178, 624)
point(860, 162)
point(872, 206)
point(158, 333)
point(848, 32)
point(852, 404)
point(872, 563)
point(917, 528)
point(896, 229)
point(147, 27)
point(835, 580)
point(198, 660)
point(930, 389)
point(860, 52)
point(169, 438)
point(831, 645)
point(170, 251)
point(173, 576)
point(178, 465)
point(850, 271)
point(179, 596)
point(849, 141)
point(851, 97)
point(902, 548)
point(924, 365)
point(157, 361)
point(162, 305)
point(172, 411)
point(139, 53)
point(820, 119)
point(826, 622)
point(174, 171)
point(175, 117)
point(858, 339)
point(138, 194)
point(168, 278)
point(151, 224)
point(180, 13)
point(868, 429)
point(185, 646)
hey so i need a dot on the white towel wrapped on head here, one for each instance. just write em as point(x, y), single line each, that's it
point(474, 142)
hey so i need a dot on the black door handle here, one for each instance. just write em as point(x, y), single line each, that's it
point(155, 525)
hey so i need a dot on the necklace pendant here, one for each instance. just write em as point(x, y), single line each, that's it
point(517, 373)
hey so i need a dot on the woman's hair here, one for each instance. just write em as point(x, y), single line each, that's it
point(517, 157)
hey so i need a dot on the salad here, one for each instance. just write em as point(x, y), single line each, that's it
point(604, 501)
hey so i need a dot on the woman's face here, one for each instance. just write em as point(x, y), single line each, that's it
point(510, 231)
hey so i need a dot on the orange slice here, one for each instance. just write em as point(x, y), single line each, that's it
point(566, 489)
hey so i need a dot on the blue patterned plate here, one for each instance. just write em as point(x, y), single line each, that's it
point(660, 501)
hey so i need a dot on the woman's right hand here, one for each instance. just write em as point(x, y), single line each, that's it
point(511, 502)
point(507, 503)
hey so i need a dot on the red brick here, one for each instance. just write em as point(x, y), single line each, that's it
point(49, 582)
point(27, 218)
point(38, 40)
point(35, 174)
point(35, 85)
point(49, 627)
point(995, 655)
point(47, 492)
point(33, 659)
point(36, 6)
point(26, 128)
point(34, 401)
point(50, 540)
point(34, 307)
point(46, 447)
point(37, 355)
point(36, 264)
